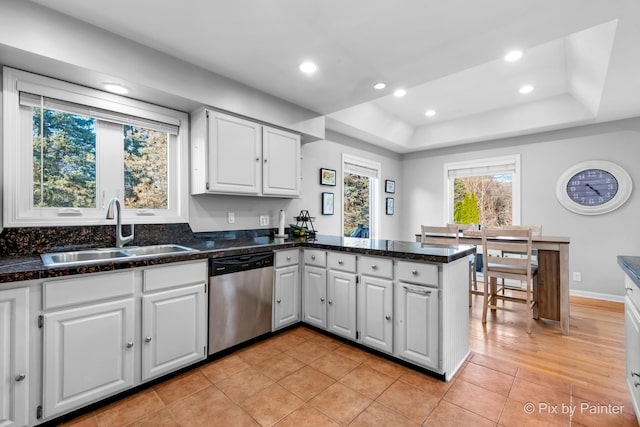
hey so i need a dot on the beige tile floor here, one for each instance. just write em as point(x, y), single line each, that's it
point(304, 378)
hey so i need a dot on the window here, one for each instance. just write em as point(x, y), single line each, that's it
point(75, 148)
point(360, 180)
point(485, 191)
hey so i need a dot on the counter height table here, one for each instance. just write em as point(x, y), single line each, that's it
point(553, 274)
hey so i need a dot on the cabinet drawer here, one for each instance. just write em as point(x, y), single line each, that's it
point(633, 292)
point(315, 257)
point(417, 272)
point(378, 267)
point(173, 275)
point(341, 261)
point(285, 258)
point(86, 289)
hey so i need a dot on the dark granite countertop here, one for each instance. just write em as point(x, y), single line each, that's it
point(31, 267)
point(631, 266)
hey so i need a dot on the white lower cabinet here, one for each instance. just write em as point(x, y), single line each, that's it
point(286, 288)
point(88, 354)
point(173, 329)
point(417, 324)
point(632, 348)
point(341, 303)
point(14, 356)
point(375, 313)
point(314, 295)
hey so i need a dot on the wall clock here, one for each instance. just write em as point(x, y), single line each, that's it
point(594, 187)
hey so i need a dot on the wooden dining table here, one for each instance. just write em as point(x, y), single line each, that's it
point(553, 274)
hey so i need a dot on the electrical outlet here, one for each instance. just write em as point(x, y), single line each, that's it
point(577, 276)
point(264, 220)
point(231, 217)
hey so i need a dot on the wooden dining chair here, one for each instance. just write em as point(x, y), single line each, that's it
point(473, 280)
point(513, 240)
point(447, 235)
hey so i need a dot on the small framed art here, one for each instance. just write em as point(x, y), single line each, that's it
point(389, 206)
point(327, 176)
point(327, 203)
point(389, 186)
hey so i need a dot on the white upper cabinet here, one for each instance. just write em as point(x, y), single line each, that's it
point(230, 155)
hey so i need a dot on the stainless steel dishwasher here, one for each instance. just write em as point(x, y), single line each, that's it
point(240, 298)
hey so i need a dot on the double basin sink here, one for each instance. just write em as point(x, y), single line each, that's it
point(107, 254)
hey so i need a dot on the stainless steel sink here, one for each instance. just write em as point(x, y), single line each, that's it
point(108, 254)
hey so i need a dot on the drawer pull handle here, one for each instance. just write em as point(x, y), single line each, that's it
point(330, 302)
point(321, 299)
point(635, 374)
point(636, 384)
point(288, 258)
point(414, 272)
point(21, 376)
point(130, 344)
point(374, 267)
point(415, 291)
point(278, 300)
point(340, 262)
point(629, 289)
point(387, 317)
point(147, 339)
point(313, 257)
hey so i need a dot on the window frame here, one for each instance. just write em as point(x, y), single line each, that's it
point(374, 190)
point(503, 164)
point(18, 206)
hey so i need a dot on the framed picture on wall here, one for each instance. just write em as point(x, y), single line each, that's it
point(327, 176)
point(389, 206)
point(389, 186)
point(327, 203)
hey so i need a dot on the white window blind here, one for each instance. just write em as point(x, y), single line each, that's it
point(38, 101)
point(482, 169)
point(360, 169)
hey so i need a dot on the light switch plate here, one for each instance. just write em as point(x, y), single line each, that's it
point(577, 276)
point(231, 217)
point(264, 220)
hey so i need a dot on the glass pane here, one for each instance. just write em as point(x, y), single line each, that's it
point(64, 159)
point(485, 200)
point(145, 168)
point(356, 205)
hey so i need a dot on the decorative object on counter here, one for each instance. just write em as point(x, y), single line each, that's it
point(281, 225)
point(327, 176)
point(304, 225)
point(389, 206)
point(389, 186)
point(594, 187)
point(327, 203)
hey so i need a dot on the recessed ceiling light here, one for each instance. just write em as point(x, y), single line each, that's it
point(116, 88)
point(308, 67)
point(399, 93)
point(526, 89)
point(513, 56)
point(430, 113)
point(379, 86)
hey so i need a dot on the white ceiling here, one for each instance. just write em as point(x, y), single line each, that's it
point(582, 56)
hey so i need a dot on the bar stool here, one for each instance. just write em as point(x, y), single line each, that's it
point(496, 241)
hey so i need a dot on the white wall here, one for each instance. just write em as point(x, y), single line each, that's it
point(595, 240)
point(209, 212)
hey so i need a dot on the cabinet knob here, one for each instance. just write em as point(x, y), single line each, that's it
point(130, 344)
point(340, 262)
point(21, 376)
point(321, 299)
point(288, 258)
point(265, 160)
point(278, 300)
point(414, 272)
point(628, 289)
point(330, 302)
point(374, 267)
point(387, 317)
point(636, 384)
point(257, 159)
point(313, 257)
point(147, 339)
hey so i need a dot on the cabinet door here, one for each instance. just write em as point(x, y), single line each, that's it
point(286, 307)
point(88, 354)
point(416, 327)
point(14, 357)
point(173, 329)
point(341, 300)
point(235, 153)
point(632, 351)
point(314, 294)
point(280, 163)
point(375, 313)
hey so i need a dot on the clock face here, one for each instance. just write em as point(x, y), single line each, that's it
point(592, 187)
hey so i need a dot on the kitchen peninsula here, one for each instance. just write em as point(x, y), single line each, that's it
point(412, 297)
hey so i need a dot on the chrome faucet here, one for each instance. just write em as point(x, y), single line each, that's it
point(120, 239)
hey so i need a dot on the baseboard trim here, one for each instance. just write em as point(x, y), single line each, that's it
point(597, 295)
point(596, 299)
